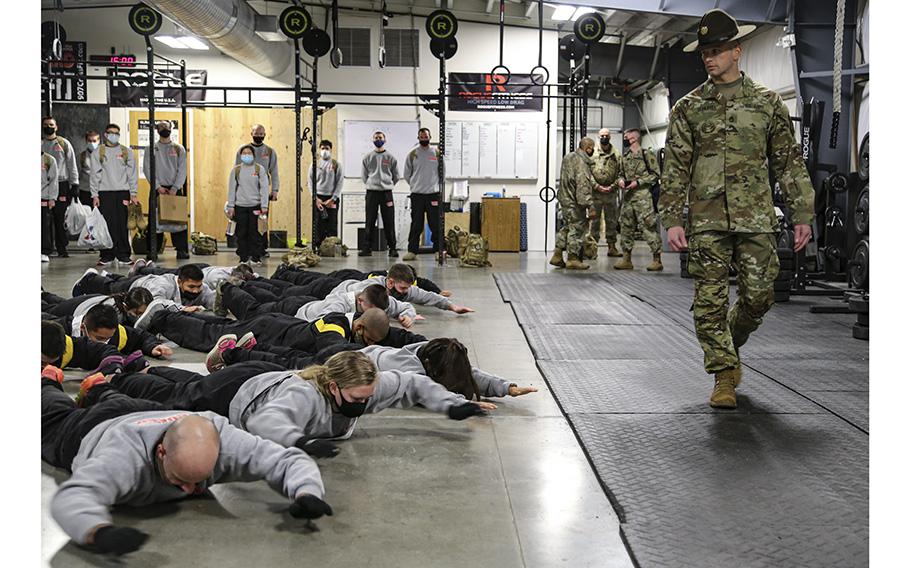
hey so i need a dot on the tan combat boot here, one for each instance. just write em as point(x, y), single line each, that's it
point(574, 263)
point(725, 383)
point(625, 263)
point(655, 265)
point(611, 250)
point(556, 259)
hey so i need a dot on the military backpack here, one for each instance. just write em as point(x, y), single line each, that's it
point(204, 244)
point(301, 258)
point(475, 251)
point(327, 247)
point(456, 239)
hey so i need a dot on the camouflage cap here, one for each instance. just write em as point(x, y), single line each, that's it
point(717, 28)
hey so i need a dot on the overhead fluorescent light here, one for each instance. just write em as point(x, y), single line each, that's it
point(192, 42)
point(170, 41)
point(581, 12)
point(563, 13)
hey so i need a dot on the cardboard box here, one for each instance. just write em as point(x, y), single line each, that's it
point(172, 209)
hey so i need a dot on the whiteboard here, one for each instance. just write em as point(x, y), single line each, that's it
point(401, 138)
point(497, 150)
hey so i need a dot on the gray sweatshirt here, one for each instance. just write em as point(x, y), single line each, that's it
point(282, 407)
point(380, 171)
point(85, 170)
point(253, 189)
point(165, 286)
point(415, 295)
point(421, 170)
point(116, 464)
point(62, 151)
point(405, 360)
point(329, 179)
point(50, 189)
point(170, 165)
point(212, 275)
point(342, 301)
point(116, 173)
point(265, 156)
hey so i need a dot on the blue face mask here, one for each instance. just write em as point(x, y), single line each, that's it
point(246, 159)
point(378, 143)
point(92, 146)
point(113, 138)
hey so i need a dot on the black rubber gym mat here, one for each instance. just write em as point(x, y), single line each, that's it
point(852, 406)
point(676, 386)
point(815, 374)
point(653, 284)
point(571, 342)
point(802, 341)
point(735, 490)
point(557, 288)
point(628, 312)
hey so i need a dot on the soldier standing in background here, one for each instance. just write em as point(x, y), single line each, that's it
point(575, 187)
point(722, 139)
point(605, 196)
point(67, 175)
point(636, 177)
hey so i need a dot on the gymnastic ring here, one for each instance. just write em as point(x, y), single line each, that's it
point(549, 192)
point(507, 74)
point(534, 74)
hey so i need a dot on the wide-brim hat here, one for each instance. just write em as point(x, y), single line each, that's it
point(717, 28)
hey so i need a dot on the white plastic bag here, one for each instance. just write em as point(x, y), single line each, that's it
point(76, 213)
point(95, 234)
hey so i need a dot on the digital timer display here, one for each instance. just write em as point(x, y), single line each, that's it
point(122, 60)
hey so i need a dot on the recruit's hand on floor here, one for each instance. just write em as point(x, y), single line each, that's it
point(318, 448)
point(308, 506)
point(460, 309)
point(119, 540)
point(162, 351)
point(466, 410)
point(405, 321)
point(446, 293)
point(193, 309)
point(515, 390)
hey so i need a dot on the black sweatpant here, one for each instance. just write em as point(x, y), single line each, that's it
point(249, 241)
point(327, 227)
point(115, 212)
point(109, 284)
point(180, 240)
point(66, 308)
point(423, 205)
point(307, 283)
point(245, 306)
point(60, 238)
point(285, 357)
point(185, 390)
point(47, 229)
point(51, 299)
point(382, 202)
point(201, 333)
point(64, 425)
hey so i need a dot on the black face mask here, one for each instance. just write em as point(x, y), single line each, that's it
point(48, 130)
point(351, 409)
point(424, 142)
point(398, 295)
point(626, 143)
point(257, 140)
point(605, 141)
point(189, 296)
point(164, 133)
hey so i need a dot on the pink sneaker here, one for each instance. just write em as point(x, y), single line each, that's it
point(214, 360)
point(248, 341)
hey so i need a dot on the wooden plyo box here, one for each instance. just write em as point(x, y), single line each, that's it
point(501, 223)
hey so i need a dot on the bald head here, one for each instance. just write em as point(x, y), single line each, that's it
point(257, 130)
point(372, 326)
point(189, 452)
point(604, 132)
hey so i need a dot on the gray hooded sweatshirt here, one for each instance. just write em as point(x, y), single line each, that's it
point(165, 286)
point(50, 188)
point(343, 302)
point(329, 179)
point(405, 359)
point(380, 171)
point(421, 170)
point(415, 294)
point(265, 156)
point(248, 186)
point(116, 173)
point(282, 407)
point(116, 464)
point(62, 151)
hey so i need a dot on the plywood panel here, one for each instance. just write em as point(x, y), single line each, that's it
point(501, 223)
point(217, 133)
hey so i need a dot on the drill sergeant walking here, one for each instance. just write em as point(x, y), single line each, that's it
point(723, 139)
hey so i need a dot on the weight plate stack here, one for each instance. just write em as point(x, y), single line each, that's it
point(864, 159)
point(860, 305)
point(859, 266)
point(787, 258)
point(861, 213)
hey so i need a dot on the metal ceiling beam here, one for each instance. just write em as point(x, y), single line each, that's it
point(749, 11)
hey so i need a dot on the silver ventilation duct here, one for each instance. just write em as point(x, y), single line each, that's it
point(230, 25)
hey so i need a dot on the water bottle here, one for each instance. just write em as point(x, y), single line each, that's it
point(503, 191)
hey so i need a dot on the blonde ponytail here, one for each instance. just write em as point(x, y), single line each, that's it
point(346, 369)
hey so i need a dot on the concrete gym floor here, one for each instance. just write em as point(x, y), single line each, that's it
point(410, 488)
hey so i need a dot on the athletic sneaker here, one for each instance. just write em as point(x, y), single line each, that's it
point(214, 361)
point(137, 266)
point(45, 258)
point(248, 341)
point(365, 253)
point(255, 262)
point(156, 306)
point(393, 253)
point(182, 255)
point(105, 273)
point(103, 262)
point(128, 261)
point(150, 264)
point(77, 286)
point(86, 385)
point(409, 256)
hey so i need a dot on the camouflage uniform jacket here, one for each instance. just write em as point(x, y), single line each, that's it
point(633, 168)
point(718, 155)
point(575, 180)
point(606, 166)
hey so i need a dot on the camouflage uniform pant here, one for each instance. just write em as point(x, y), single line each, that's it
point(575, 223)
point(638, 211)
point(606, 207)
point(711, 253)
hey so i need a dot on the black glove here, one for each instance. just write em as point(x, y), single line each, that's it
point(466, 410)
point(318, 448)
point(119, 540)
point(309, 507)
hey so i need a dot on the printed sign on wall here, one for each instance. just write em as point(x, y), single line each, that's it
point(69, 88)
point(129, 90)
point(493, 92)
